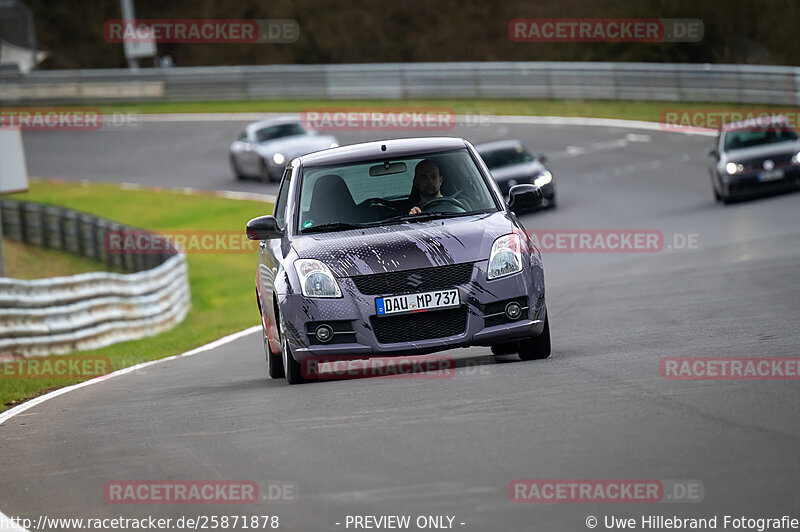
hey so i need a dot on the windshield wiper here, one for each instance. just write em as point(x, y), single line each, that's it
point(424, 216)
point(332, 226)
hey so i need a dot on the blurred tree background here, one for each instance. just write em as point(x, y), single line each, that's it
point(356, 31)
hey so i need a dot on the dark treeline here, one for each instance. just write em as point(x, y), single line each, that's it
point(355, 31)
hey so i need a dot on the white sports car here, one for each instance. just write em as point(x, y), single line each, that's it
point(263, 148)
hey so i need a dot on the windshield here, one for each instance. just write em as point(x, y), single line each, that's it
point(737, 140)
point(506, 157)
point(380, 192)
point(278, 131)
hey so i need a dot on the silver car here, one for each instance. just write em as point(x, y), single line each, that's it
point(263, 148)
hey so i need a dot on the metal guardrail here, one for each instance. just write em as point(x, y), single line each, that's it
point(540, 80)
point(90, 310)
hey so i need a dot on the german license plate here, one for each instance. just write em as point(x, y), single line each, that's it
point(417, 302)
point(770, 175)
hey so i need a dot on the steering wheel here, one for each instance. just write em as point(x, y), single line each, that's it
point(442, 201)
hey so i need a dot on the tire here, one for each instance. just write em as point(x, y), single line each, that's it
point(717, 197)
point(266, 177)
point(292, 368)
point(538, 347)
point(235, 169)
point(274, 362)
point(505, 349)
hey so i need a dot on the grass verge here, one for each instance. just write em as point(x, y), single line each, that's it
point(221, 284)
point(24, 261)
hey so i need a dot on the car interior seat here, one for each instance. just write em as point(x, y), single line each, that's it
point(331, 202)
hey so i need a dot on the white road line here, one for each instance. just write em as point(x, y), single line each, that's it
point(10, 413)
point(582, 121)
point(475, 120)
point(575, 151)
point(633, 137)
point(5, 522)
point(6, 525)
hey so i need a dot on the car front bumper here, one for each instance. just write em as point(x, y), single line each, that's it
point(355, 321)
point(744, 185)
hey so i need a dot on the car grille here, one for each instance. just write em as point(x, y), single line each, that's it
point(420, 280)
point(420, 325)
point(756, 165)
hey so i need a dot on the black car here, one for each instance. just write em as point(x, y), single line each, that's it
point(398, 247)
point(751, 160)
point(512, 164)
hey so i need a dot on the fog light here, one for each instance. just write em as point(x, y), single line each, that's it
point(513, 310)
point(324, 333)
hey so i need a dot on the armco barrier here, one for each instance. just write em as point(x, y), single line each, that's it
point(90, 310)
point(577, 80)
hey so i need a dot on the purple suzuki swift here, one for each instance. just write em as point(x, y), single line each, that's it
point(397, 247)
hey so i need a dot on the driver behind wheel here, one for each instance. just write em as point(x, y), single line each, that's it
point(427, 185)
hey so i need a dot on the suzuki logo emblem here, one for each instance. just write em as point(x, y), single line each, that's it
point(414, 280)
point(769, 165)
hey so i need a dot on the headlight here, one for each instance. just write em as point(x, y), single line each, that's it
point(544, 178)
point(278, 158)
point(733, 168)
point(316, 279)
point(505, 257)
point(796, 158)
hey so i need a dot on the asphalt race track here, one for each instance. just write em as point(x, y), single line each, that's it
point(597, 409)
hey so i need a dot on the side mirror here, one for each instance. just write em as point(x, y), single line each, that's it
point(524, 197)
point(263, 228)
point(542, 158)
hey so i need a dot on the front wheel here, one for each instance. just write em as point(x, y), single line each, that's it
point(538, 347)
point(274, 362)
point(266, 177)
point(292, 368)
point(235, 169)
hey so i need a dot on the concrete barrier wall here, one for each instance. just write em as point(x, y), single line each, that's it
point(569, 80)
point(91, 310)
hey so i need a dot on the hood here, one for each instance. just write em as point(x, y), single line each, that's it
point(767, 150)
point(296, 146)
point(405, 246)
point(518, 171)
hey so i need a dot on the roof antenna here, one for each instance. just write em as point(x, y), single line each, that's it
point(383, 147)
